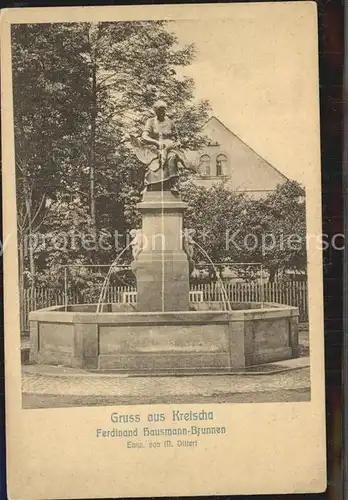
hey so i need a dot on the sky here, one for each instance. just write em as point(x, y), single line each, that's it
point(260, 76)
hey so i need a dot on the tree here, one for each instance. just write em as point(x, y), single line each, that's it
point(215, 215)
point(132, 64)
point(46, 120)
point(283, 215)
point(81, 90)
point(233, 228)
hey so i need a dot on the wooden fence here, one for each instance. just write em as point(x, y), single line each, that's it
point(292, 293)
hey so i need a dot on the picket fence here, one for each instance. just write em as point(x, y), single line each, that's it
point(292, 293)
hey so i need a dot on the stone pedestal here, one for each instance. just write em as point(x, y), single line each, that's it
point(162, 269)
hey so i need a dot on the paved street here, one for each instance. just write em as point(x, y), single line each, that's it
point(42, 390)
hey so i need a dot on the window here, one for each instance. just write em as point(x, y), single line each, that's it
point(221, 165)
point(204, 165)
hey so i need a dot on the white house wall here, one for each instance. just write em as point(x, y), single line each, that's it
point(246, 170)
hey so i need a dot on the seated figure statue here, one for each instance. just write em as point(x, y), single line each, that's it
point(159, 149)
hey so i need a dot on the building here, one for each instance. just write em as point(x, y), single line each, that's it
point(227, 158)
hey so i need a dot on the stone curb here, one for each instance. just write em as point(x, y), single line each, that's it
point(42, 370)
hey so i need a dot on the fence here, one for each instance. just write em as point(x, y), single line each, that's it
point(292, 293)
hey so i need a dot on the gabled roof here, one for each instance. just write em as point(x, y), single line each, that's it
point(214, 118)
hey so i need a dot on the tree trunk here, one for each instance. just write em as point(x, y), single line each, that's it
point(92, 155)
point(28, 209)
point(93, 124)
point(21, 283)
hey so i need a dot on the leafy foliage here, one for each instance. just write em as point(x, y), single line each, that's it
point(81, 90)
point(233, 228)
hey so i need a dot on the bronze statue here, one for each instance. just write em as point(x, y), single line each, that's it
point(159, 149)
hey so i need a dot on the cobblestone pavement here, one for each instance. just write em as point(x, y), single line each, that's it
point(157, 387)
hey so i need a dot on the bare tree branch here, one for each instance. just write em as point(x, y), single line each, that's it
point(39, 208)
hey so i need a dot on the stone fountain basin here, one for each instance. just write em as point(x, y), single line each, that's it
point(122, 340)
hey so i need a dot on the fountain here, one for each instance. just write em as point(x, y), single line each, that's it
point(161, 333)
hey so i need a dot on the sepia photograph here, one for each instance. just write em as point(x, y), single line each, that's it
point(161, 251)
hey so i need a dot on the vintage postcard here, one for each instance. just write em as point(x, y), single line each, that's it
point(162, 251)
